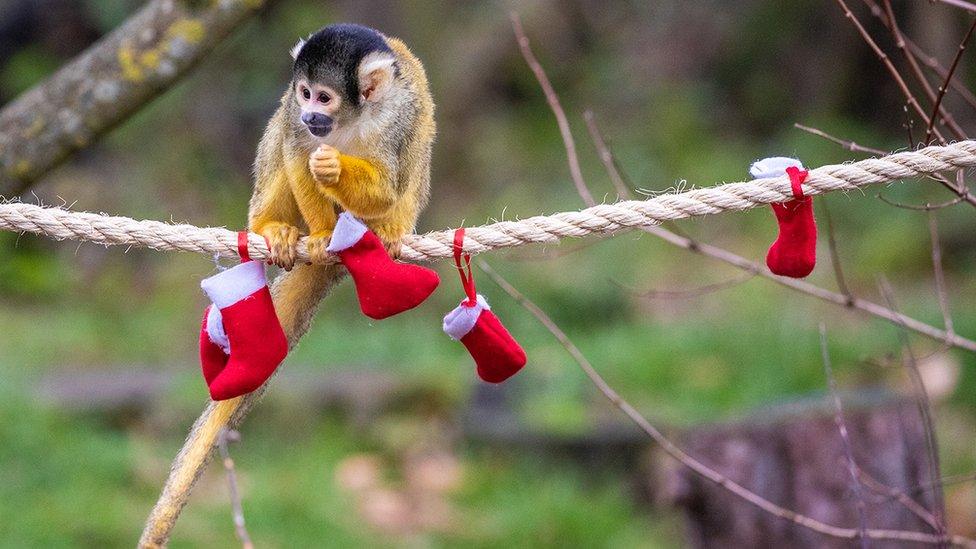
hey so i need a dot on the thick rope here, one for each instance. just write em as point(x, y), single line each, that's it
point(62, 224)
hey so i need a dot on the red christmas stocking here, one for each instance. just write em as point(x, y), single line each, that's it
point(496, 353)
point(385, 287)
point(242, 326)
point(794, 254)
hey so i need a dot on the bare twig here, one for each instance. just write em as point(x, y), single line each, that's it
point(227, 436)
point(945, 84)
point(901, 497)
point(849, 145)
point(944, 481)
point(606, 156)
point(557, 109)
point(852, 466)
point(924, 406)
point(920, 76)
point(690, 292)
point(928, 206)
point(892, 70)
point(834, 255)
point(962, 4)
point(940, 284)
point(693, 464)
point(562, 250)
point(932, 63)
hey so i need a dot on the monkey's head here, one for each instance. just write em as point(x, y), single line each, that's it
point(340, 73)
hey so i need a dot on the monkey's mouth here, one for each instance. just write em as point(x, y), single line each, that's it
point(319, 131)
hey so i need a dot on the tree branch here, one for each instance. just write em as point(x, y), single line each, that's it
point(108, 83)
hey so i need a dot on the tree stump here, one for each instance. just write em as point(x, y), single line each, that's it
point(794, 456)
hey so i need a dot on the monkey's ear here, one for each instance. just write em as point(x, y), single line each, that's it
point(297, 48)
point(376, 72)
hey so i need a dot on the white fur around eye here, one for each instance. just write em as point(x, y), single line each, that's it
point(376, 72)
point(297, 48)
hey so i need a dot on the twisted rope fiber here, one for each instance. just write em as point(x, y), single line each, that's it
point(61, 224)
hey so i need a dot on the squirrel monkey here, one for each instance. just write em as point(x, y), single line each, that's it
point(354, 132)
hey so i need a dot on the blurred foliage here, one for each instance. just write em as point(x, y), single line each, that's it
point(688, 94)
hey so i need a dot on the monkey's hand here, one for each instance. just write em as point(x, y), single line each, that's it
point(317, 243)
point(283, 242)
point(325, 167)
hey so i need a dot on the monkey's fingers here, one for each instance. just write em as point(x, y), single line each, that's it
point(318, 242)
point(326, 154)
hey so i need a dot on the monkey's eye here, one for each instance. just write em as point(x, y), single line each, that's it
point(306, 94)
point(324, 97)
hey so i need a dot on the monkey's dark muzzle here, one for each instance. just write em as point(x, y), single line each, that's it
point(318, 124)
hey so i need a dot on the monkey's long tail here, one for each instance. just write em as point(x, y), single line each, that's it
point(296, 297)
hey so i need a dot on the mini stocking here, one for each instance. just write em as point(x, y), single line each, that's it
point(242, 326)
point(794, 254)
point(385, 287)
point(496, 353)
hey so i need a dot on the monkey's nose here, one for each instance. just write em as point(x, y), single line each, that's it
point(316, 119)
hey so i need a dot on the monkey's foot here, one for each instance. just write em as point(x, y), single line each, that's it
point(283, 243)
point(384, 287)
point(318, 243)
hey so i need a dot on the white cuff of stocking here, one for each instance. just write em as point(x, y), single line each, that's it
point(462, 319)
point(774, 166)
point(348, 231)
point(215, 330)
point(227, 288)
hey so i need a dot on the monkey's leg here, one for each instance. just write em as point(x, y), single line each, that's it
point(296, 296)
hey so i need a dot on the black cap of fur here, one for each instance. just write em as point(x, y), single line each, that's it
point(333, 54)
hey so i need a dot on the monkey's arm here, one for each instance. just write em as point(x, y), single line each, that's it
point(363, 187)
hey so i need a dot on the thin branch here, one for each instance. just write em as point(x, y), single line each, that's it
point(227, 436)
point(901, 497)
point(562, 250)
point(940, 284)
point(852, 466)
point(849, 145)
point(924, 406)
point(962, 4)
point(920, 77)
point(933, 64)
point(928, 206)
point(909, 96)
point(944, 481)
point(693, 464)
point(834, 255)
point(690, 292)
point(945, 85)
point(557, 109)
point(606, 156)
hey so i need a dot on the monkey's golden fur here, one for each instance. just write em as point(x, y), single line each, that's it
point(384, 180)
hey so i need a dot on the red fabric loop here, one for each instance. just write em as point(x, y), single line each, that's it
point(467, 279)
point(242, 246)
point(797, 177)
